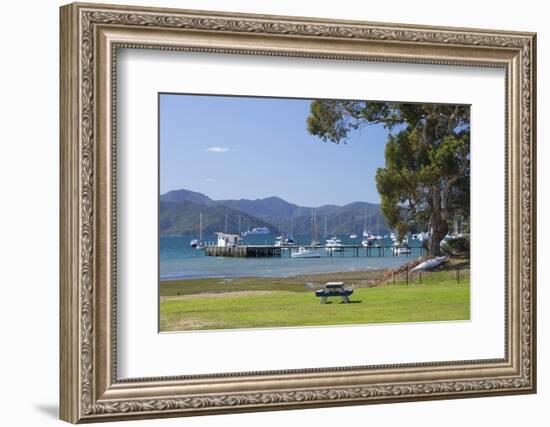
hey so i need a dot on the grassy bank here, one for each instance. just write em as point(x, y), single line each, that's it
point(281, 302)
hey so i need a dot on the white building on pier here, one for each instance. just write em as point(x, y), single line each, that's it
point(227, 239)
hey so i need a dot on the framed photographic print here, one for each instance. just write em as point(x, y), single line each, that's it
point(264, 212)
point(259, 262)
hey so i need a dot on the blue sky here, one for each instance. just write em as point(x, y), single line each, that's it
point(240, 147)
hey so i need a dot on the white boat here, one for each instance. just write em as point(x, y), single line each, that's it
point(255, 231)
point(392, 236)
point(305, 253)
point(402, 249)
point(197, 243)
point(367, 243)
point(429, 264)
point(333, 244)
point(353, 236)
point(284, 241)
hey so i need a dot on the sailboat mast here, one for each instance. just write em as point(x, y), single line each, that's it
point(200, 228)
point(313, 229)
point(315, 226)
point(312, 226)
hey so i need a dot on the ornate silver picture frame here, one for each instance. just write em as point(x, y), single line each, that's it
point(91, 36)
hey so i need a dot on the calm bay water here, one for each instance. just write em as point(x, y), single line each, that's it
point(178, 260)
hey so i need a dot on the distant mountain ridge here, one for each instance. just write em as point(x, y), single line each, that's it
point(182, 218)
point(185, 196)
point(180, 211)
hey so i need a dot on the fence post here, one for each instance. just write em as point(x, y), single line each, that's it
point(420, 277)
point(458, 275)
point(393, 274)
point(407, 275)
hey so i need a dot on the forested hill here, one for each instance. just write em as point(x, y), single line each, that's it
point(180, 211)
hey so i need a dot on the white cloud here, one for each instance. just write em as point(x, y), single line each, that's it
point(217, 149)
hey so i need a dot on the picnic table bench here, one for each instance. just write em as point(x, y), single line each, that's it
point(334, 289)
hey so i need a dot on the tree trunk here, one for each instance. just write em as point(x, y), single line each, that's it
point(439, 225)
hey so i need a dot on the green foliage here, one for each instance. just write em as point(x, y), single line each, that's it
point(426, 176)
point(457, 246)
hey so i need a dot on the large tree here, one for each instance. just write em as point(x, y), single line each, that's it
point(426, 177)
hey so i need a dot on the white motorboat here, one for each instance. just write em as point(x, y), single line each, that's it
point(284, 241)
point(194, 243)
point(372, 238)
point(256, 231)
point(402, 249)
point(424, 235)
point(367, 243)
point(305, 253)
point(333, 244)
point(353, 236)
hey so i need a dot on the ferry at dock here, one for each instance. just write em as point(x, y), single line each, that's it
point(256, 231)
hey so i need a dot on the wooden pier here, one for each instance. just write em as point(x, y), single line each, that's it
point(268, 251)
point(244, 251)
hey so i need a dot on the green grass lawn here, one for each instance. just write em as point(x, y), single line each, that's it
point(268, 302)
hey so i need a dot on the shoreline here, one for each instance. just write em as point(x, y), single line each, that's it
point(360, 278)
point(268, 276)
point(346, 273)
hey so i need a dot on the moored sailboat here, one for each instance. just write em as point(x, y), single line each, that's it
point(201, 243)
point(314, 241)
point(197, 243)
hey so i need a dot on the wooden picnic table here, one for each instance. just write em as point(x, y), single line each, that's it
point(334, 289)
